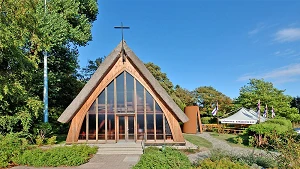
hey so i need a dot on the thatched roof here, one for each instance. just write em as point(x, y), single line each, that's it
point(109, 61)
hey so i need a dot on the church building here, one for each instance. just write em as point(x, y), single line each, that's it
point(123, 102)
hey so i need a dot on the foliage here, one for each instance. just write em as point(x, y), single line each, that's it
point(264, 160)
point(51, 140)
point(283, 122)
point(185, 96)
point(165, 82)
point(90, 69)
point(57, 156)
point(268, 95)
point(163, 159)
point(288, 147)
point(207, 97)
point(198, 141)
point(238, 140)
point(267, 129)
point(25, 32)
point(207, 120)
point(10, 146)
point(296, 103)
point(223, 163)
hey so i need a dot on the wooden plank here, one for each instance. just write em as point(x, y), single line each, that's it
point(105, 114)
point(115, 112)
point(199, 121)
point(135, 109)
point(154, 116)
point(145, 115)
point(97, 120)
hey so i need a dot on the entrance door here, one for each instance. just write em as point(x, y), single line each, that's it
point(126, 128)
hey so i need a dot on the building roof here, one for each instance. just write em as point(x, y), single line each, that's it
point(107, 64)
point(243, 116)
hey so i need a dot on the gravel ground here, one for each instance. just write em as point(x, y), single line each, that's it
point(223, 146)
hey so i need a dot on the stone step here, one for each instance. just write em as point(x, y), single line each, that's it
point(119, 145)
point(119, 152)
point(120, 148)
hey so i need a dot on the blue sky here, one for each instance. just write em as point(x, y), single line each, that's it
point(206, 43)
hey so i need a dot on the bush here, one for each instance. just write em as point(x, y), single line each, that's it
point(59, 156)
point(264, 160)
point(283, 122)
point(51, 140)
point(10, 146)
point(206, 120)
point(224, 163)
point(39, 140)
point(163, 159)
point(238, 140)
point(267, 129)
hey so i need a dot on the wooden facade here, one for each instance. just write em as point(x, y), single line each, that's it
point(116, 105)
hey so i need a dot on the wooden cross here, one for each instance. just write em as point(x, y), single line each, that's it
point(122, 28)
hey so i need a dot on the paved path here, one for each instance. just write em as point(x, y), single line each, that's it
point(100, 162)
point(223, 146)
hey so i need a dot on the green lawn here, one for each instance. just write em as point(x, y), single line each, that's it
point(228, 138)
point(198, 141)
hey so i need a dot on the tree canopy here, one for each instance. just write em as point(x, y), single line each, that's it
point(26, 31)
point(258, 89)
point(207, 97)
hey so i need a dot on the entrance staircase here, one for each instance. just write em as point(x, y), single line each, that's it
point(120, 148)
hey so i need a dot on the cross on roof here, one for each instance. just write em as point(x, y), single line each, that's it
point(122, 28)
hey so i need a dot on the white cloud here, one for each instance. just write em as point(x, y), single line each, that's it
point(288, 35)
point(281, 75)
point(258, 29)
point(288, 53)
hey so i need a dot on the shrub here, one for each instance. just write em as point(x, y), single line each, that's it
point(163, 159)
point(51, 140)
point(224, 163)
point(283, 122)
point(206, 120)
point(238, 140)
point(10, 146)
point(59, 156)
point(264, 160)
point(39, 140)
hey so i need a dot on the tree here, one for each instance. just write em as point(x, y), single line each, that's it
point(258, 89)
point(165, 82)
point(296, 103)
point(90, 69)
point(25, 32)
point(207, 97)
point(185, 96)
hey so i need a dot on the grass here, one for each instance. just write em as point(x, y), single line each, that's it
point(228, 138)
point(198, 141)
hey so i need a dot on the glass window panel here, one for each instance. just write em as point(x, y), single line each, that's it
point(101, 103)
point(168, 131)
point(140, 126)
point(110, 98)
point(111, 127)
point(159, 127)
point(140, 97)
point(149, 102)
point(130, 127)
point(121, 127)
point(130, 93)
point(101, 116)
point(158, 109)
point(92, 122)
point(82, 134)
point(150, 126)
point(120, 94)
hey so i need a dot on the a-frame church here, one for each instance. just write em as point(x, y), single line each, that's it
point(123, 102)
